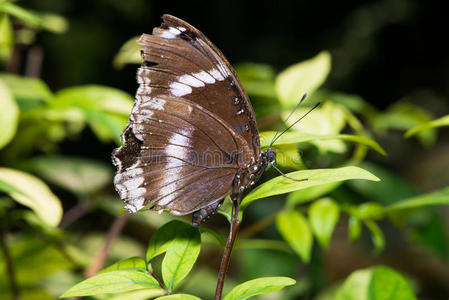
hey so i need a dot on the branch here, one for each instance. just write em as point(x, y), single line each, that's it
point(234, 229)
point(9, 265)
point(101, 256)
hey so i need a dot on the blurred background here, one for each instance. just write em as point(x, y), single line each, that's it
point(389, 67)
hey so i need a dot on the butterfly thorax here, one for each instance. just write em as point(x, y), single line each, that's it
point(247, 177)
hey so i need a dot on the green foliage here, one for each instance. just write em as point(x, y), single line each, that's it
point(9, 115)
point(327, 152)
point(301, 78)
point(258, 286)
point(33, 193)
point(378, 283)
point(295, 229)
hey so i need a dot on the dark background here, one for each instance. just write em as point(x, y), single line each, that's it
point(381, 50)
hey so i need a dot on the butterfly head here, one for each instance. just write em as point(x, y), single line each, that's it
point(270, 155)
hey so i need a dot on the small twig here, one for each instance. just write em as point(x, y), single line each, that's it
point(73, 215)
point(234, 229)
point(9, 264)
point(34, 62)
point(101, 256)
point(161, 284)
point(258, 226)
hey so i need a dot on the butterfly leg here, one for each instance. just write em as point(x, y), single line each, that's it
point(203, 214)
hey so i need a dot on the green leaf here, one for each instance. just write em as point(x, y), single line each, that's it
point(323, 216)
point(258, 286)
point(301, 78)
point(281, 185)
point(368, 210)
point(78, 175)
point(354, 228)
point(132, 263)
point(180, 257)
point(129, 53)
point(294, 137)
point(28, 92)
point(258, 80)
point(113, 282)
point(6, 38)
point(310, 193)
point(35, 194)
point(105, 109)
point(9, 115)
point(50, 22)
point(295, 229)
point(404, 116)
point(144, 294)
point(376, 235)
point(440, 122)
point(378, 283)
point(161, 239)
point(179, 297)
point(401, 211)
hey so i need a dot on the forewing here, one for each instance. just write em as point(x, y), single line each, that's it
point(181, 61)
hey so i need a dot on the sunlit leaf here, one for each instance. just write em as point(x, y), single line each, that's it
point(113, 282)
point(258, 286)
point(377, 235)
point(293, 137)
point(105, 109)
point(161, 239)
point(132, 263)
point(28, 92)
point(323, 216)
point(180, 257)
point(35, 194)
point(281, 185)
point(78, 175)
point(378, 283)
point(295, 229)
point(138, 294)
point(9, 115)
point(6, 37)
point(179, 297)
point(440, 122)
point(129, 53)
point(301, 78)
point(288, 156)
point(354, 228)
point(310, 193)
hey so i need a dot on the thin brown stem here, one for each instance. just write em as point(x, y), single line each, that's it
point(234, 229)
point(258, 226)
point(9, 264)
point(101, 256)
point(73, 214)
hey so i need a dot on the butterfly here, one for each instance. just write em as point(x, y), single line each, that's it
point(192, 137)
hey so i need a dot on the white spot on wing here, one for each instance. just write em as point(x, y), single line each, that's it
point(174, 151)
point(180, 28)
point(179, 89)
point(175, 31)
point(168, 35)
point(204, 76)
point(190, 80)
point(217, 75)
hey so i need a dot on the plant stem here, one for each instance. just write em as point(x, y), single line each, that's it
point(233, 230)
point(101, 256)
point(9, 265)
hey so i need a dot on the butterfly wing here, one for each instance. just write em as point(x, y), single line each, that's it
point(181, 61)
point(177, 156)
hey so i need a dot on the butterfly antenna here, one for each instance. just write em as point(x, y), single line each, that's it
point(285, 121)
point(302, 117)
point(283, 174)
